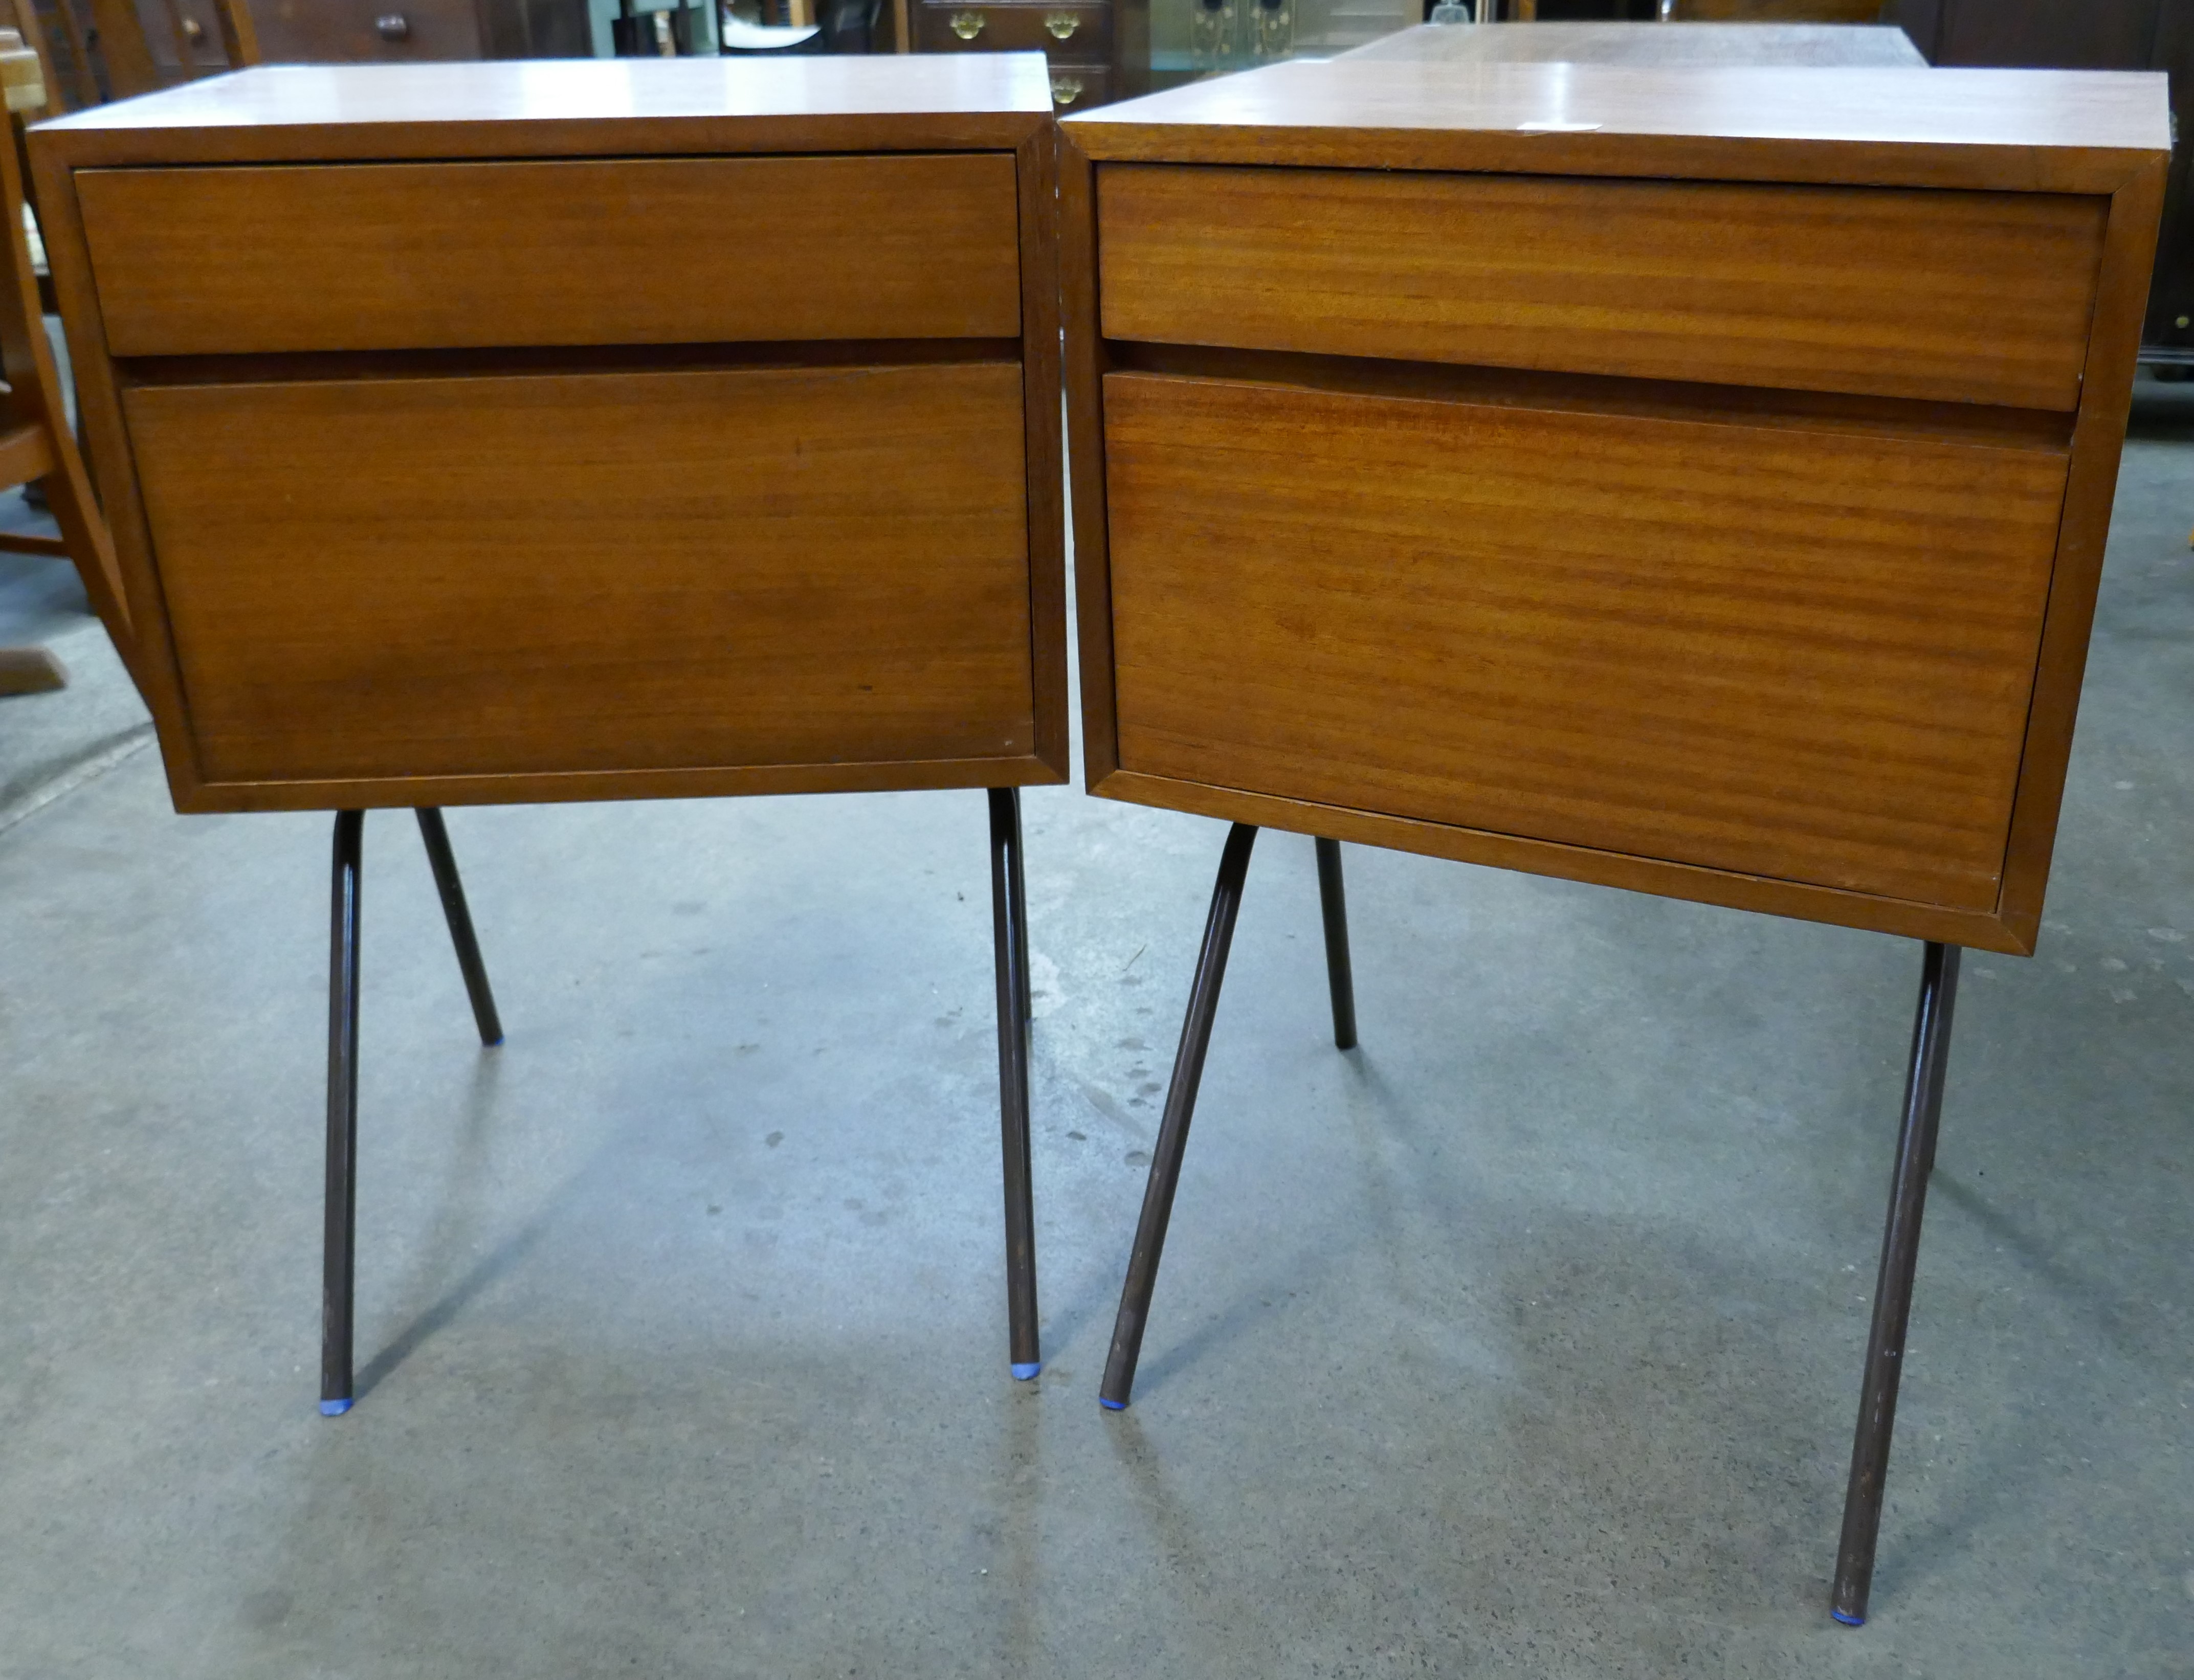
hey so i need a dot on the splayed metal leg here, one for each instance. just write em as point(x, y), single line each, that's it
point(444, 863)
point(342, 1210)
point(1893, 1289)
point(1009, 928)
point(1173, 1129)
point(1333, 900)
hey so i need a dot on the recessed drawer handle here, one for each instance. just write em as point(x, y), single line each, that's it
point(393, 27)
point(1065, 89)
point(1063, 24)
point(967, 25)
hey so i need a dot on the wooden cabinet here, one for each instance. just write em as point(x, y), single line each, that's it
point(467, 445)
point(1538, 469)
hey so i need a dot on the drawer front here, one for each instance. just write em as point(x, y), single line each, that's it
point(384, 257)
point(1802, 654)
point(365, 32)
point(1080, 33)
point(596, 571)
point(1962, 296)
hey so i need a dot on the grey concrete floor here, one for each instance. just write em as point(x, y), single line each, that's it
point(1523, 1341)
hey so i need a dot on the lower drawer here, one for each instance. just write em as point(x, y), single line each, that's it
point(1783, 650)
point(482, 576)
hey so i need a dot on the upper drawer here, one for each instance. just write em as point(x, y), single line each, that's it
point(389, 256)
point(1966, 297)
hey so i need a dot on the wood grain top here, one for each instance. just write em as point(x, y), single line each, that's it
point(2031, 130)
point(568, 105)
point(1827, 45)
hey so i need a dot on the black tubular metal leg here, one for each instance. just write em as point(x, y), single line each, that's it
point(342, 1117)
point(1893, 1289)
point(444, 863)
point(1009, 928)
point(1173, 1129)
point(1333, 900)
point(1019, 881)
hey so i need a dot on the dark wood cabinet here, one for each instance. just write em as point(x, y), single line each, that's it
point(2091, 35)
point(368, 31)
point(1077, 39)
point(364, 32)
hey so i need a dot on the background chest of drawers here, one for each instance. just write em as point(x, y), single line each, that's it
point(180, 40)
point(1077, 39)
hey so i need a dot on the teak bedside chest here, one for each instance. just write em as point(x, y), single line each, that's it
point(1693, 482)
point(480, 433)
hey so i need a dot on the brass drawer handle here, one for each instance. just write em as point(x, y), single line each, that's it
point(1065, 89)
point(966, 24)
point(1062, 24)
point(393, 27)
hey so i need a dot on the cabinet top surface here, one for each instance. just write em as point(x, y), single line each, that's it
point(1844, 46)
point(1545, 117)
point(325, 99)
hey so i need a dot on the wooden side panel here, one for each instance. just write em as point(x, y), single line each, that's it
point(665, 250)
point(1803, 655)
point(422, 577)
point(2098, 440)
point(1960, 296)
point(1085, 460)
point(1037, 164)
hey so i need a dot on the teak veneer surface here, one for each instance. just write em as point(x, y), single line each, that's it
point(663, 250)
point(2049, 130)
point(1789, 652)
point(570, 107)
point(1968, 296)
point(1660, 45)
point(480, 577)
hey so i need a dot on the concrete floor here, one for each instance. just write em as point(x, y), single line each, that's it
point(1523, 1341)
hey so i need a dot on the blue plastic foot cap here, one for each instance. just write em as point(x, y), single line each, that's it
point(334, 1408)
point(1112, 1405)
point(1848, 1620)
point(1023, 1373)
